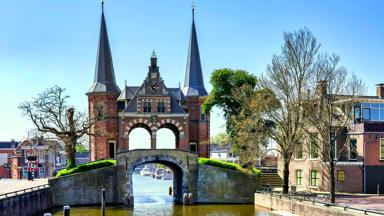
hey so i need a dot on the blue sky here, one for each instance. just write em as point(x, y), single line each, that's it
point(45, 43)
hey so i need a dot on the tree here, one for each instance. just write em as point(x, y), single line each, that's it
point(251, 125)
point(287, 76)
point(329, 112)
point(221, 139)
point(51, 115)
point(224, 81)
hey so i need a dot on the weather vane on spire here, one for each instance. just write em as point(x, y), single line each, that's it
point(193, 8)
point(102, 5)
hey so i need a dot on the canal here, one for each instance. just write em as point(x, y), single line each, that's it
point(151, 198)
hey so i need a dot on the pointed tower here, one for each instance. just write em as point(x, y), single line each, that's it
point(194, 90)
point(102, 97)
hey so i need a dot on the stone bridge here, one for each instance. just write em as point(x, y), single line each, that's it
point(208, 184)
point(182, 163)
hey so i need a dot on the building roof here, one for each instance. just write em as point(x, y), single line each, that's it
point(132, 93)
point(194, 83)
point(104, 81)
point(9, 144)
point(128, 93)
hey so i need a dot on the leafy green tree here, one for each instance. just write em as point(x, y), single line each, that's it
point(221, 139)
point(224, 81)
point(251, 125)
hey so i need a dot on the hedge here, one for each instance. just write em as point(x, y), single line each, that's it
point(86, 167)
point(227, 165)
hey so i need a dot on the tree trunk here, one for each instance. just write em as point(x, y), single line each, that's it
point(333, 182)
point(70, 151)
point(286, 177)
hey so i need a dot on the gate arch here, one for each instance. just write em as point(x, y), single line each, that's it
point(182, 163)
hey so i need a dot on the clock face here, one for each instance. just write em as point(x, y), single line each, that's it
point(154, 87)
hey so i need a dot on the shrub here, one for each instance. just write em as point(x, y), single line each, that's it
point(86, 167)
point(227, 165)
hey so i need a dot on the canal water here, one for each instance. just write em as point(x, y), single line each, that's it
point(151, 198)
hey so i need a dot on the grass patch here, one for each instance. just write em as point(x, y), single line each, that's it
point(227, 165)
point(86, 167)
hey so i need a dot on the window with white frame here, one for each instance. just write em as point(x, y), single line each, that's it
point(314, 178)
point(314, 151)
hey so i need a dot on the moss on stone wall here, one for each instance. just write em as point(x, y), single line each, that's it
point(86, 167)
point(227, 165)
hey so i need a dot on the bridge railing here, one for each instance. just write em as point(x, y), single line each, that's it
point(311, 198)
point(22, 191)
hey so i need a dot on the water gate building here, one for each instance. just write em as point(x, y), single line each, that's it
point(151, 105)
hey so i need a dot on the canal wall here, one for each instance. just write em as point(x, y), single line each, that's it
point(219, 185)
point(303, 208)
point(85, 188)
point(27, 203)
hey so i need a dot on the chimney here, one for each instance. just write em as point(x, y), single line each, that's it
point(380, 90)
point(321, 88)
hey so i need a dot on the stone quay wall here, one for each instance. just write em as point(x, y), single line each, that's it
point(27, 204)
point(219, 185)
point(303, 208)
point(85, 188)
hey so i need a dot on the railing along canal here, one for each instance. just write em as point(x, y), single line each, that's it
point(22, 191)
point(311, 197)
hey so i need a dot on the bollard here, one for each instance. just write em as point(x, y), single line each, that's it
point(127, 202)
point(378, 190)
point(103, 202)
point(185, 199)
point(131, 201)
point(170, 190)
point(66, 210)
point(190, 202)
point(47, 214)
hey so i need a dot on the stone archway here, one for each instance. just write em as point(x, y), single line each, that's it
point(182, 163)
point(145, 127)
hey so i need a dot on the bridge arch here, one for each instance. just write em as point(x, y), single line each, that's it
point(182, 163)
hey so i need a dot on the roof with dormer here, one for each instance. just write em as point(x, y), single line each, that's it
point(152, 87)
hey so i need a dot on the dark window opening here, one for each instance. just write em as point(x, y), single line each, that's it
point(193, 147)
point(353, 149)
point(147, 106)
point(160, 107)
point(111, 149)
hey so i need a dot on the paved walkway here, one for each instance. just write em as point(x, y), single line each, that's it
point(10, 185)
point(369, 202)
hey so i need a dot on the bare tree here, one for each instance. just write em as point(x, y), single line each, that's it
point(287, 76)
point(329, 112)
point(51, 115)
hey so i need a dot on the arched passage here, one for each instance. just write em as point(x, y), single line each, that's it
point(161, 188)
point(165, 139)
point(182, 163)
point(139, 137)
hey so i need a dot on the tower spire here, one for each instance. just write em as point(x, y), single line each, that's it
point(194, 82)
point(104, 80)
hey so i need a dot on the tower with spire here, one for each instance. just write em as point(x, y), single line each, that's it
point(151, 105)
point(195, 93)
point(102, 98)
